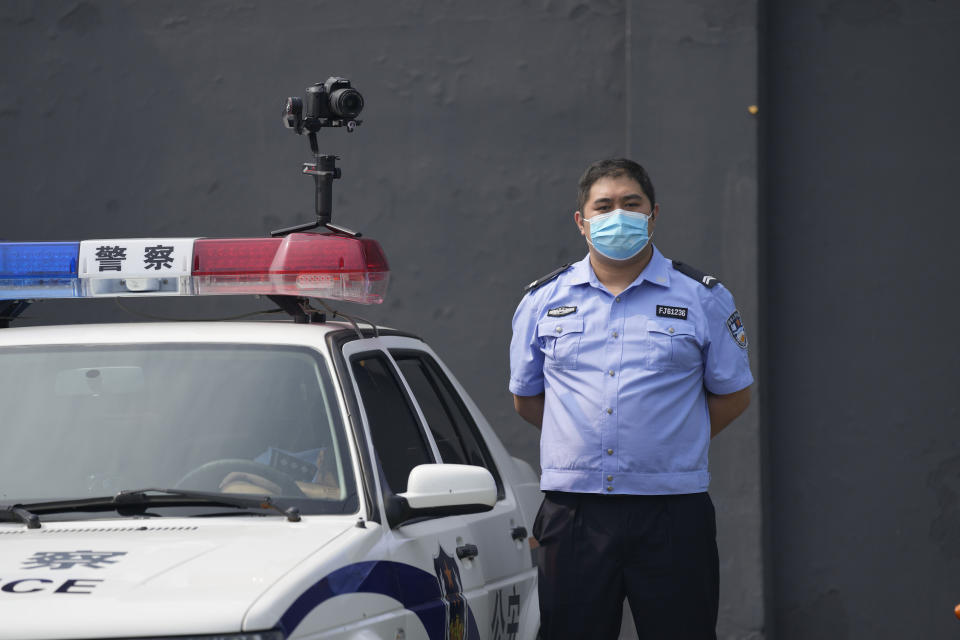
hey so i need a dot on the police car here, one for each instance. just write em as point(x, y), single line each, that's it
point(298, 478)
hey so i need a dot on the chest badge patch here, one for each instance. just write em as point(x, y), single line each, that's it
point(664, 311)
point(559, 312)
point(735, 326)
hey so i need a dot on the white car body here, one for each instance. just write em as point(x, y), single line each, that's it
point(338, 575)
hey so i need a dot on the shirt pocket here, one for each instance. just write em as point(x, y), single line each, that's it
point(559, 340)
point(673, 345)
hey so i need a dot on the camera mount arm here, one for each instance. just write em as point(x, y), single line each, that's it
point(324, 170)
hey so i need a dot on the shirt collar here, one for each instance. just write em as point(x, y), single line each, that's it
point(656, 272)
point(582, 273)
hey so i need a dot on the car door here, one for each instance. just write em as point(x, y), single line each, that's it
point(430, 571)
point(500, 534)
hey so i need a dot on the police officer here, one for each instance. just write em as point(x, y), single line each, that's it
point(630, 362)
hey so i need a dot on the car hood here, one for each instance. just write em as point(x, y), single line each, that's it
point(122, 578)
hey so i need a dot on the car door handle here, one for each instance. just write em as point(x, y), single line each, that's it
point(519, 533)
point(467, 551)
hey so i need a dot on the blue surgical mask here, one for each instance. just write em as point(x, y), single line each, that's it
point(619, 235)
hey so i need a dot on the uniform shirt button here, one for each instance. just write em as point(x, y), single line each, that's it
point(615, 334)
point(618, 298)
point(670, 329)
point(609, 478)
point(609, 452)
point(611, 372)
point(609, 488)
point(609, 410)
point(559, 329)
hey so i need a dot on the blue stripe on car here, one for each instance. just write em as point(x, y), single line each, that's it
point(414, 588)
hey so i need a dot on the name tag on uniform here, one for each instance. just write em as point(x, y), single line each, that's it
point(559, 312)
point(664, 311)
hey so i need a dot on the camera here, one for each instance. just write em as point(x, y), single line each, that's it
point(333, 103)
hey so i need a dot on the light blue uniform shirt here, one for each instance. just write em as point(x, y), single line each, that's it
point(626, 377)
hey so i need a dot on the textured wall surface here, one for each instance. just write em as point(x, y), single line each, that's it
point(163, 118)
point(862, 151)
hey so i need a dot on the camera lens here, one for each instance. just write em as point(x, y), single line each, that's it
point(346, 103)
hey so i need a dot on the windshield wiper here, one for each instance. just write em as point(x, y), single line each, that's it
point(16, 513)
point(136, 501)
point(187, 497)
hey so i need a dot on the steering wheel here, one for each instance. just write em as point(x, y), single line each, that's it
point(210, 474)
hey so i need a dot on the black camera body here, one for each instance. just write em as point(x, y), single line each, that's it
point(333, 103)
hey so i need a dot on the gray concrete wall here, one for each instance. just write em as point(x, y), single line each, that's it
point(860, 224)
point(163, 118)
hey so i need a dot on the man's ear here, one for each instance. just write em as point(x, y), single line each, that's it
point(578, 218)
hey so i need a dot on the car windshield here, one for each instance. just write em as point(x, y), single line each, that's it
point(91, 420)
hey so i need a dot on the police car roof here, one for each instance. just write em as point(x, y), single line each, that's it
point(270, 332)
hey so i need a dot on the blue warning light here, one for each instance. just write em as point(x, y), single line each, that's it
point(38, 270)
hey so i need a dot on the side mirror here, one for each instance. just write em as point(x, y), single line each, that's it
point(437, 490)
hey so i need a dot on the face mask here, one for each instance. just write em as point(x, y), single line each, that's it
point(619, 235)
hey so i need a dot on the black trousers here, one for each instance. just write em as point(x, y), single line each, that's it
point(658, 551)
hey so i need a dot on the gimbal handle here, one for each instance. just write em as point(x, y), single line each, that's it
point(324, 172)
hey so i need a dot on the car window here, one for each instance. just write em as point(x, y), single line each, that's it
point(91, 420)
point(398, 440)
point(456, 434)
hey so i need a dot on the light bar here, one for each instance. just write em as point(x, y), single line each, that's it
point(300, 264)
point(39, 270)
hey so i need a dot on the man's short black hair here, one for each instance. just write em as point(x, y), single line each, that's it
point(614, 168)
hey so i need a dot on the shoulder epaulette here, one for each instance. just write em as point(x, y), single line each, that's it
point(706, 280)
point(545, 279)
